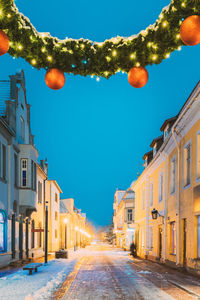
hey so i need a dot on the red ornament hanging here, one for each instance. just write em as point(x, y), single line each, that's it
point(4, 43)
point(55, 79)
point(138, 77)
point(190, 30)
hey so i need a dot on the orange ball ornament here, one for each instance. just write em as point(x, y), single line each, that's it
point(55, 79)
point(4, 43)
point(138, 77)
point(190, 30)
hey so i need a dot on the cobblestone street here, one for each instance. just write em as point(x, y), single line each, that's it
point(108, 273)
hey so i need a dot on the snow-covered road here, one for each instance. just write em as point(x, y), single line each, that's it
point(109, 275)
point(100, 272)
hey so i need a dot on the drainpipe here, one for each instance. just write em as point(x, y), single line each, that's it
point(178, 197)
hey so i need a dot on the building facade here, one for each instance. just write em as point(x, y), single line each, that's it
point(26, 193)
point(124, 218)
point(170, 186)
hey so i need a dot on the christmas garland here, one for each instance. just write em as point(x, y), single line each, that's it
point(85, 57)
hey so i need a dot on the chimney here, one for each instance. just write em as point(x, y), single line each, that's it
point(44, 165)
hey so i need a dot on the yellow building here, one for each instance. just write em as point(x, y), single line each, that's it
point(72, 226)
point(170, 186)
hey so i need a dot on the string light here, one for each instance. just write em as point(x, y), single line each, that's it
point(1, 13)
point(178, 36)
point(49, 58)
point(167, 55)
point(106, 73)
point(137, 64)
point(108, 58)
point(154, 57)
point(164, 24)
point(179, 48)
point(33, 61)
point(20, 47)
point(82, 46)
point(9, 16)
point(114, 53)
point(97, 79)
point(133, 56)
point(43, 49)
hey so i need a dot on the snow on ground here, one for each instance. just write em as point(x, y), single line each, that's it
point(40, 285)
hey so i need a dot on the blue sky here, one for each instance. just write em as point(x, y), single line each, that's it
point(94, 134)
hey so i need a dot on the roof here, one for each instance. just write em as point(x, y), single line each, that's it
point(56, 184)
point(170, 120)
point(159, 138)
point(146, 154)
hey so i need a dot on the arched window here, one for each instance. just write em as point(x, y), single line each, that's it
point(2, 231)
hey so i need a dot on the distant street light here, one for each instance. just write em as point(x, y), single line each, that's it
point(66, 220)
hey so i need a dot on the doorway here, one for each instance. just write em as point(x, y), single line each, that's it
point(184, 241)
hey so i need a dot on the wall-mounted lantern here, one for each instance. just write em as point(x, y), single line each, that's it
point(155, 214)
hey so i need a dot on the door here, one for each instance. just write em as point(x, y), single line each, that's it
point(160, 243)
point(184, 241)
point(27, 250)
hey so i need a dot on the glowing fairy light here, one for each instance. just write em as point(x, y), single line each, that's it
point(114, 53)
point(33, 61)
point(49, 58)
point(133, 56)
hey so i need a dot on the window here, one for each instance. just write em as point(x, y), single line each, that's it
point(198, 155)
point(2, 232)
point(150, 237)
point(173, 237)
point(160, 187)
point(16, 170)
point(33, 175)
point(56, 197)
point(4, 160)
point(151, 194)
point(187, 164)
point(198, 236)
point(56, 233)
point(173, 175)
point(39, 192)
point(56, 215)
point(143, 199)
point(22, 124)
point(129, 214)
point(24, 167)
point(166, 131)
point(154, 151)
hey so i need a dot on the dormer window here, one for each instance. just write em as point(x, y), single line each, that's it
point(146, 162)
point(166, 131)
point(154, 150)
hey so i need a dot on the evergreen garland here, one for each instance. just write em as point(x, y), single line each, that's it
point(85, 57)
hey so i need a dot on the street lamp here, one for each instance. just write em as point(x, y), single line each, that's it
point(155, 214)
point(65, 220)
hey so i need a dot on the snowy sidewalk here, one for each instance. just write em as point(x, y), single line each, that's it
point(40, 285)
